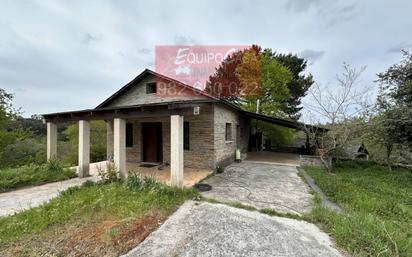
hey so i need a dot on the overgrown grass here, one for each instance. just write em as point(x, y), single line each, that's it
point(100, 219)
point(266, 211)
point(378, 208)
point(33, 175)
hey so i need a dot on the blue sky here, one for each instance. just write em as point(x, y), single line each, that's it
point(68, 55)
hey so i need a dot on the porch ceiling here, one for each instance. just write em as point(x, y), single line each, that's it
point(184, 108)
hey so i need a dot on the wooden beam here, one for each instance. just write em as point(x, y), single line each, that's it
point(121, 114)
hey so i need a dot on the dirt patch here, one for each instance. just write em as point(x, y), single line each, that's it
point(132, 235)
point(90, 239)
point(110, 237)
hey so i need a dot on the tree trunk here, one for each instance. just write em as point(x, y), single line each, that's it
point(388, 156)
point(327, 164)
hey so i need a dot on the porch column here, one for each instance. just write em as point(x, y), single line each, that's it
point(119, 147)
point(84, 148)
point(51, 140)
point(109, 140)
point(176, 151)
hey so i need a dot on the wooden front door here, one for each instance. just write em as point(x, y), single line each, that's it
point(152, 141)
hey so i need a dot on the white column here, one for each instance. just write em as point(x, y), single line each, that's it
point(119, 146)
point(176, 151)
point(84, 148)
point(109, 140)
point(51, 140)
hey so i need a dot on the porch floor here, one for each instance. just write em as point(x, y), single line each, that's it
point(190, 176)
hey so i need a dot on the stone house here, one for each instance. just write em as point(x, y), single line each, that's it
point(155, 119)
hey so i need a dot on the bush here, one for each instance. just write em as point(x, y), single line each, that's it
point(33, 174)
point(23, 152)
point(141, 183)
point(88, 183)
point(220, 169)
point(110, 174)
point(97, 142)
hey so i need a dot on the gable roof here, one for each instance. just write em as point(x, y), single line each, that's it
point(142, 76)
point(103, 107)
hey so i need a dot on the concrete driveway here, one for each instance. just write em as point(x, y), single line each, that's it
point(261, 185)
point(205, 229)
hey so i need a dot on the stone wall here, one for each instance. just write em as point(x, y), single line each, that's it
point(137, 94)
point(200, 153)
point(309, 160)
point(225, 150)
point(207, 145)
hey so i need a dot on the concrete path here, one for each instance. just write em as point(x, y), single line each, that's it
point(261, 185)
point(205, 229)
point(325, 200)
point(26, 198)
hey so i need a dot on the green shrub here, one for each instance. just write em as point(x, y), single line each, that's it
point(137, 182)
point(23, 152)
point(89, 183)
point(220, 169)
point(134, 182)
point(54, 166)
point(33, 174)
point(110, 174)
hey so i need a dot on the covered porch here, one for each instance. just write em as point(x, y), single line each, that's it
point(174, 173)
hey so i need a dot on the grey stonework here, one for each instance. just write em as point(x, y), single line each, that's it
point(225, 150)
point(208, 147)
point(137, 94)
point(307, 160)
point(200, 153)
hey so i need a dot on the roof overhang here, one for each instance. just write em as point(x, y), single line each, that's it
point(161, 77)
point(184, 108)
point(285, 123)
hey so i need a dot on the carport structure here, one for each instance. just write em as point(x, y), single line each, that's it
point(309, 130)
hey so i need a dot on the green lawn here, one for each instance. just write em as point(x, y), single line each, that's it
point(33, 175)
point(378, 204)
point(93, 220)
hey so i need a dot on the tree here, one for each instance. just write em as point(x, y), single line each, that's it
point(395, 104)
point(262, 79)
point(7, 112)
point(12, 139)
point(299, 84)
point(343, 109)
point(226, 83)
point(97, 142)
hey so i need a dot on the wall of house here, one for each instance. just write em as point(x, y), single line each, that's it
point(200, 153)
point(225, 150)
point(165, 93)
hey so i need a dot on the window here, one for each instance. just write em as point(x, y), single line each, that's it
point(228, 134)
point(129, 135)
point(186, 143)
point(151, 88)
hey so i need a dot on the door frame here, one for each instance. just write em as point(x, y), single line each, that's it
point(159, 143)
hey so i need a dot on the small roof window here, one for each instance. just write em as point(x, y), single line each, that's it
point(151, 88)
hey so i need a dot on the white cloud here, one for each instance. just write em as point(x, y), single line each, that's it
point(67, 55)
